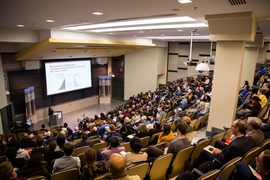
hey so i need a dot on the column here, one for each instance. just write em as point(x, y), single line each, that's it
point(250, 59)
point(3, 97)
point(230, 31)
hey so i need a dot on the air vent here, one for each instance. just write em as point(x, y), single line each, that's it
point(237, 2)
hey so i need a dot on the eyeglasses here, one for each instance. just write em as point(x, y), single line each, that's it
point(258, 161)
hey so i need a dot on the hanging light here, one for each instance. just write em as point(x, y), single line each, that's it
point(202, 67)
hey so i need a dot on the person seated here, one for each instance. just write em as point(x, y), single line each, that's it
point(11, 154)
point(174, 146)
point(53, 154)
point(156, 129)
point(40, 147)
point(112, 148)
point(75, 133)
point(30, 142)
point(67, 161)
point(43, 128)
point(136, 155)
point(118, 168)
point(34, 167)
point(262, 97)
point(143, 131)
point(54, 137)
point(21, 153)
point(127, 134)
point(238, 147)
point(93, 168)
point(3, 148)
point(7, 171)
point(112, 133)
point(188, 121)
point(254, 134)
point(243, 171)
point(248, 111)
point(167, 135)
point(84, 141)
point(60, 141)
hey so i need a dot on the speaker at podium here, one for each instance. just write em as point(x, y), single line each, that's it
point(56, 118)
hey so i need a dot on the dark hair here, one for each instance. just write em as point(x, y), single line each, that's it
point(52, 146)
point(182, 127)
point(266, 160)
point(17, 144)
point(11, 153)
point(61, 139)
point(84, 136)
point(262, 90)
point(6, 170)
point(90, 157)
point(136, 144)
point(35, 160)
point(43, 126)
point(55, 133)
point(129, 129)
point(114, 141)
point(157, 124)
point(40, 141)
point(242, 126)
point(166, 129)
point(65, 125)
point(68, 148)
point(255, 98)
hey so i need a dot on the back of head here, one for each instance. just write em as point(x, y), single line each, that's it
point(68, 149)
point(84, 136)
point(6, 170)
point(182, 127)
point(90, 156)
point(61, 139)
point(255, 122)
point(55, 133)
point(242, 126)
point(52, 146)
point(11, 153)
point(112, 127)
point(117, 165)
point(40, 141)
point(35, 160)
point(136, 144)
point(157, 124)
point(166, 129)
point(186, 119)
point(266, 160)
point(114, 141)
point(65, 125)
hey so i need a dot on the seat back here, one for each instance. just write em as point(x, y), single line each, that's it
point(263, 111)
point(204, 120)
point(99, 146)
point(37, 178)
point(3, 137)
point(211, 175)
point(198, 123)
point(127, 146)
point(158, 173)
point(250, 155)
point(3, 159)
point(82, 159)
point(193, 123)
point(80, 150)
point(145, 141)
point(218, 136)
point(197, 150)
point(160, 145)
point(20, 135)
point(180, 161)
point(192, 115)
point(67, 174)
point(95, 141)
point(153, 137)
point(227, 169)
point(139, 169)
point(228, 133)
point(191, 135)
point(75, 141)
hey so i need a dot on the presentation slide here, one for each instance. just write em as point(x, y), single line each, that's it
point(65, 76)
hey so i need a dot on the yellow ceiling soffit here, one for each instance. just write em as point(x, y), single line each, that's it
point(51, 44)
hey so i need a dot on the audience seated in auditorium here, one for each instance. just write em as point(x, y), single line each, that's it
point(67, 161)
point(238, 147)
point(34, 167)
point(21, 153)
point(11, 154)
point(75, 134)
point(112, 148)
point(252, 110)
point(136, 155)
point(118, 168)
point(174, 146)
point(43, 128)
point(30, 142)
point(142, 131)
point(254, 134)
point(156, 129)
point(54, 137)
point(262, 97)
point(127, 134)
point(53, 154)
point(7, 172)
point(112, 133)
point(40, 147)
point(93, 168)
point(84, 141)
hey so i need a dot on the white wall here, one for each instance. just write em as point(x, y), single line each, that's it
point(142, 69)
point(3, 101)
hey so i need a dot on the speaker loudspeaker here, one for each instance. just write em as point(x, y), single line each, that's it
point(30, 65)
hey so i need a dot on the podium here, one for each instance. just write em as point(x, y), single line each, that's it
point(56, 118)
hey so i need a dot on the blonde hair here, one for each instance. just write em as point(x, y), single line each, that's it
point(143, 128)
point(186, 119)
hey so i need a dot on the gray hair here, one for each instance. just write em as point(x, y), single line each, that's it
point(254, 122)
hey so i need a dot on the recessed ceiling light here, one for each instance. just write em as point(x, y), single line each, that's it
point(141, 32)
point(134, 36)
point(49, 20)
point(179, 37)
point(184, 1)
point(110, 33)
point(180, 30)
point(20, 25)
point(97, 13)
point(197, 34)
point(162, 35)
point(133, 23)
point(132, 28)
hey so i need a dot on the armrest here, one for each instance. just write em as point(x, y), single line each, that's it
point(196, 171)
point(218, 163)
